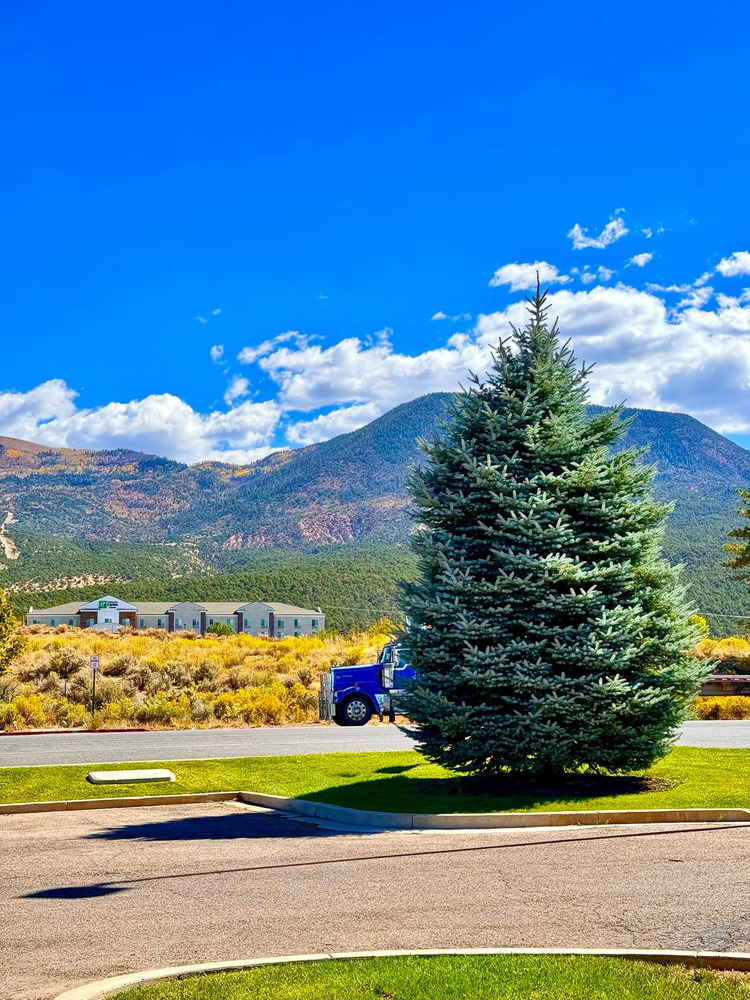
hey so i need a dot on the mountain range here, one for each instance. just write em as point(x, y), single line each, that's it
point(72, 521)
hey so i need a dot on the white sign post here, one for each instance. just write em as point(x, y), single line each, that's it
point(94, 668)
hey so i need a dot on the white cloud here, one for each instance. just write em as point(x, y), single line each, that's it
point(161, 424)
point(248, 355)
point(737, 263)
point(614, 230)
point(641, 259)
point(454, 319)
point(217, 353)
point(339, 421)
point(652, 287)
point(693, 357)
point(201, 319)
point(588, 277)
point(236, 389)
point(216, 312)
point(522, 276)
point(647, 232)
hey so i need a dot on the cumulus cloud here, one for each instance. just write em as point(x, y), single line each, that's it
point(161, 424)
point(641, 259)
point(339, 421)
point(458, 316)
point(248, 355)
point(614, 230)
point(737, 263)
point(588, 277)
point(217, 353)
point(236, 389)
point(692, 356)
point(523, 276)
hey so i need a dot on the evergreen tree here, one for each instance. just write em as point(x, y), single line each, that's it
point(11, 643)
point(740, 551)
point(547, 630)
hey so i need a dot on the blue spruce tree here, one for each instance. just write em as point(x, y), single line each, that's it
point(548, 632)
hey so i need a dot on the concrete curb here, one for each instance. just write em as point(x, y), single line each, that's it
point(369, 819)
point(719, 961)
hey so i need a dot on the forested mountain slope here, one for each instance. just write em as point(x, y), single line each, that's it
point(76, 518)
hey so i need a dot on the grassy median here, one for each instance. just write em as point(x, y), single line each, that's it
point(400, 781)
point(491, 977)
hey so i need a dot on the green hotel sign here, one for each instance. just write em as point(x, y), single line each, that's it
point(107, 604)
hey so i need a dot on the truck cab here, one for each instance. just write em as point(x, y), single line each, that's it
point(350, 696)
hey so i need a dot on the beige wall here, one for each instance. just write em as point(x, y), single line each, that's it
point(52, 620)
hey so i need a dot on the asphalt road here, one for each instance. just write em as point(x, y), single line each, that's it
point(102, 748)
point(91, 894)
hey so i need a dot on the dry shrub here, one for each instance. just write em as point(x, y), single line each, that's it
point(160, 678)
point(728, 707)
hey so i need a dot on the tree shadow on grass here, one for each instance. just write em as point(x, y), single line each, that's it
point(397, 792)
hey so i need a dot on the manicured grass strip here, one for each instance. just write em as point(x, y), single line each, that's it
point(394, 781)
point(442, 977)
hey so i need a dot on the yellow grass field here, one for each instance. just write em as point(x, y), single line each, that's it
point(156, 679)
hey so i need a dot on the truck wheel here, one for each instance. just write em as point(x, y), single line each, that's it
point(354, 711)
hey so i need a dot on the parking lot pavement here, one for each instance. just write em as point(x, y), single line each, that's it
point(193, 744)
point(276, 741)
point(91, 894)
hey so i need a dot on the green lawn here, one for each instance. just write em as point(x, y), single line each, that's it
point(442, 977)
point(397, 781)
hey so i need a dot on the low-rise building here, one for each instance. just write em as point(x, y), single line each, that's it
point(268, 618)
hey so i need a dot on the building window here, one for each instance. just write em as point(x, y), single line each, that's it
point(143, 622)
point(34, 621)
point(280, 622)
point(314, 623)
point(160, 623)
point(196, 623)
point(71, 621)
point(248, 623)
point(296, 622)
point(53, 621)
point(230, 621)
point(210, 621)
point(264, 623)
point(296, 634)
point(279, 635)
point(179, 623)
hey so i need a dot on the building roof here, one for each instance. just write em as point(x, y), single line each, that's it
point(59, 609)
point(225, 608)
point(289, 609)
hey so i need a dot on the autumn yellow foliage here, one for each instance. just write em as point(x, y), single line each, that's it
point(158, 679)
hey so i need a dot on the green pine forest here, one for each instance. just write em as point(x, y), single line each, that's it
point(323, 525)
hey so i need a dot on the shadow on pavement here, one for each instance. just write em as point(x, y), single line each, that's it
point(238, 825)
point(77, 892)
point(119, 885)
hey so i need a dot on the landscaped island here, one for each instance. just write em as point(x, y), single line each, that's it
point(491, 977)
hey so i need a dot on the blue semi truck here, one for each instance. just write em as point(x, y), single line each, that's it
point(350, 696)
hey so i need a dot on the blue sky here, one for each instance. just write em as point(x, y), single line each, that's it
point(182, 177)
